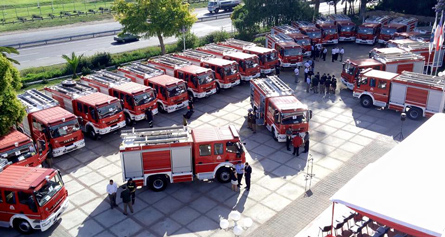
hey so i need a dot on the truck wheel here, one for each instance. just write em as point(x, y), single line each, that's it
point(128, 120)
point(216, 10)
point(91, 133)
point(218, 88)
point(223, 175)
point(274, 135)
point(158, 183)
point(366, 101)
point(161, 108)
point(414, 114)
point(23, 226)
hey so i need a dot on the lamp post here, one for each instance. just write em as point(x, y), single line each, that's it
point(183, 30)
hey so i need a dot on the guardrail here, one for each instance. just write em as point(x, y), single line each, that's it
point(96, 34)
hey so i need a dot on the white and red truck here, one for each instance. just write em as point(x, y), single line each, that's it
point(157, 157)
point(44, 119)
point(100, 114)
point(396, 25)
point(416, 94)
point(200, 81)
point(301, 39)
point(345, 27)
point(137, 100)
point(290, 53)
point(268, 58)
point(310, 30)
point(226, 71)
point(369, 31)
point(329, 31)
point(31, 198)
point(139, 72)
point(19, 149)
point(249, 65)
point(275, 106)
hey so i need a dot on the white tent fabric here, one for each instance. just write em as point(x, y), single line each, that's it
point(407, 185)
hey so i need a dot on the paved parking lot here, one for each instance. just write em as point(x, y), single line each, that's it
point(344, 138)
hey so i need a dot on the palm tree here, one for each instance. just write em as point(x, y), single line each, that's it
point(73, 62)
point(9, 50)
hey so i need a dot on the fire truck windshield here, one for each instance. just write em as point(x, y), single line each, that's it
point(270, 57)
point(388, 31)
point(330, 31)
point(293, 118)
point(349, 68)
point(347, 28)
point(251, 63)
point(19, 153)
point(176, 90)
point(293, 52)
point(63, 129)
point(51, 187)
point(109, 110)
point(365, 31)
point(303, 42)
point(144, 98)
point(205, 78)
point(229, 70)
point(314, 35)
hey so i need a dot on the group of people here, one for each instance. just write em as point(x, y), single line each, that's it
point(251, 120)
point(297, 142)
point(128, 194)
point(318, 52)
point(336, 52)
point(237, 173)
point(324, 84)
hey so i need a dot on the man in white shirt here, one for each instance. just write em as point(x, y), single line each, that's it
point(325, 52)
point(297, 74)
point(308, 83)
point(333, 52)
point(306, 64)
point(342, 51)
point(111, 190)
point(306, 72)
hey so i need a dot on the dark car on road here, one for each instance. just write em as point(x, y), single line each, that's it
point(124, 38)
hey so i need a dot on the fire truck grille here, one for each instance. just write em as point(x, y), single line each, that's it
point(112, 122)
point(68, 141)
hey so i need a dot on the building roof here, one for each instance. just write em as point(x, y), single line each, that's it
point(23, 178)
point(53, 115)
point(210, 134)
point(11, 138)
point(132, 87)
point(287, 103)
point(193, 69)
point(165, 80)
point(380, 74)
point(96, 99)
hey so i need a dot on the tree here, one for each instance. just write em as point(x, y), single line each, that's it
point(9, 50)
point(12, 111)
point(161, 18)
point(73, 62)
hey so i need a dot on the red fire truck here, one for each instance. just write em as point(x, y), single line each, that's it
point(301, 39)
point(397, 25)
point(100, 114)
point(345, 27)
point(45, 119)
point(200, 81)
point(226, 71)
point(289, 52)
point(158, 156)
point(139, 72)
point(328, 29)
point(171, 92)
point(310, 30)
point(20, 149)
point(31, 198)
point(353, 67)
point(268, 57)
point(136, 99)
point(369, 31)
point(276, 107)
point(417, 94)
point(249, 65)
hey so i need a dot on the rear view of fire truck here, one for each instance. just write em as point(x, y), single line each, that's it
point(289, 52)
point(45, 120)
point(100, 114)
point(158, 156)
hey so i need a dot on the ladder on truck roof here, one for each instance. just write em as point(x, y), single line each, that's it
point(219, 48)
point(273, 85)
point(108, 78)
point(280, 37)
point(153, 136)
point(241, 43)
point(398, 57)
point(416, 45)
point(287, 29)
point(404, 20)
point(140, 68)
point(171, 61)
point(377, 19)
point(3, 163)
point(73, 89)
point(196, 54)
point(35, 100)
point(420, 78)
point(322, 19)
point(305, 24)
point(338, 17)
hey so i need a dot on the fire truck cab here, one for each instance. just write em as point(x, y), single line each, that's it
point(369, 31)
point(328, 29)
point(136, 99)
point(248, 64)
point(397, 25)
point(19, 149)
point(139, 72)
point(353, 67)
point(31, 198)
point(200, 81)
point(346, 28)
point(267, 57)
point(276, 107)
point(301, 39)
point(171, 92)
point(157, 157)
point(100, 114)
point(417, 94)
point(290, 53)
point(46, 120)
point(310, 30)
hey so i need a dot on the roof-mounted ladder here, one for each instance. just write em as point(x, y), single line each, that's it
point(199, 55)
point(161, 135)
point(171, 61)
point(219, 48)
point(35, 100)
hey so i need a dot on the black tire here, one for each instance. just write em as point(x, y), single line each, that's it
point(216, 10)
point(223, 175)
point(91, 133)
point(158, 183)
point(50, 152)
point(274, 135)
point(161, 108)
point(218, 88)
point(414, 114)
point(366, 101)
point(23, 226)
point(128, 120)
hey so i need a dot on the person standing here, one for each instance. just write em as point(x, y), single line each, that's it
point(233, 179)
point(288, 138)
point(328, 83)
point(149, 117)
point(322, 83)
point(247, 173)
point(297, 142)
point(297, 74)
point(190, 107)
point(239, 167)
point(254, 122)
point(333, 54)
point(341, 52)
point(277, 68)
point(131, 185)
point(312, 49)
point(325, 52)
point(317, 53)
point(315, 81)
point(306, 71)
point(308, 83)
point(306, 142)
point(111, 190)
point(184, 120)
point(334, 84)
point(126, 199)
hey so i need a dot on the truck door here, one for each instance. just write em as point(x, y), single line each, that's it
point(380, 89)
point(181, 163)
point(131, 165)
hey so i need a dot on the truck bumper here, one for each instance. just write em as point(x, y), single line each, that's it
point(347, 84)
point(362, 41)
point(266, 71)
point(173, 108)
point(281, 137)
point(248, 78)
point(205, 94)
point(138, 117)
point(334, 41)
point(66, 149)
point(106, 130)
point(46, 224)
point(352, 38)
point(230, 85)
point(299, 64)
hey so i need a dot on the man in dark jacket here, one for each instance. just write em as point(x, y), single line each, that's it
point(322, 83)
point(131, 185)
point(247, 175)
point(126, 199)
point(315, 81)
